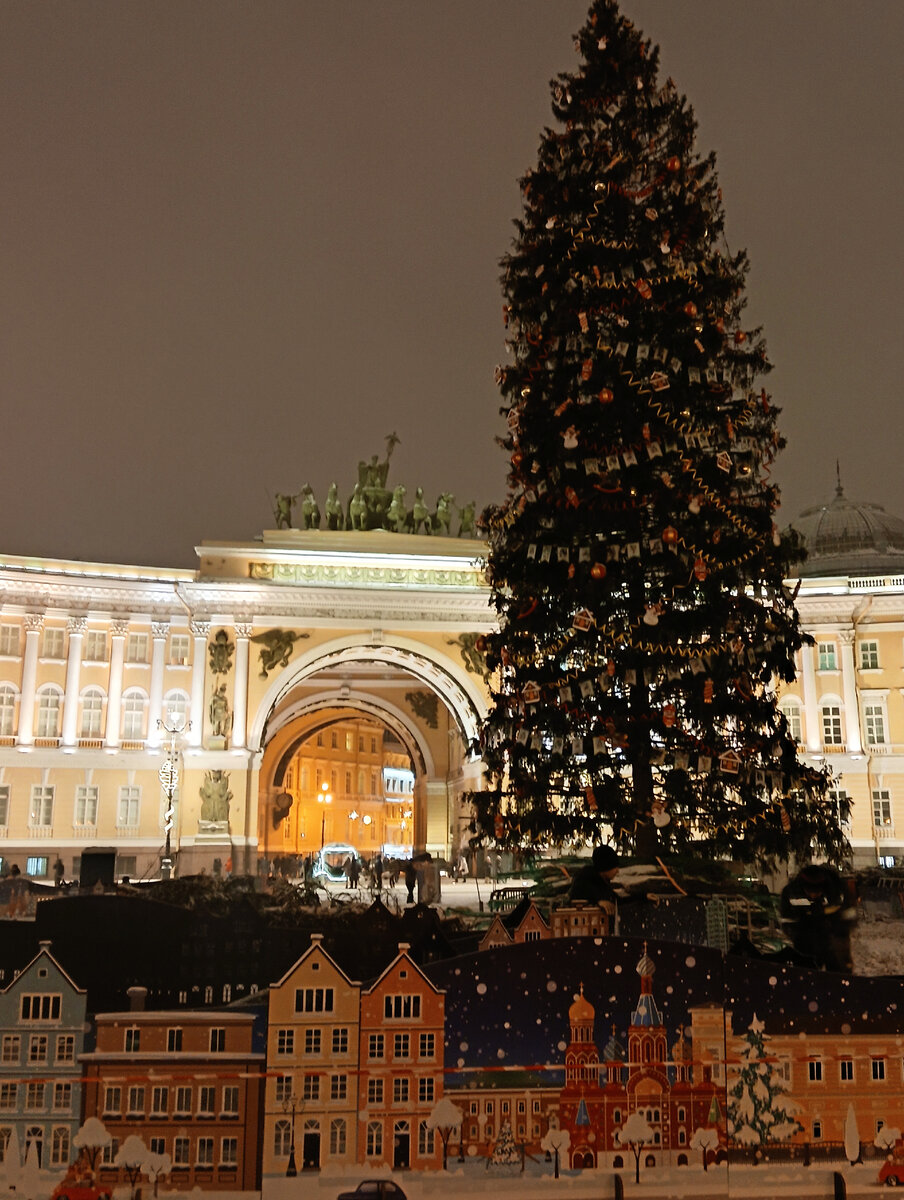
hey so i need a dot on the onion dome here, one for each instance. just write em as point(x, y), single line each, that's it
point(581, 1011)
point(848, 537)
point(646, 967)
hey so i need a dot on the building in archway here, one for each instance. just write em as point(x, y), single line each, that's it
point(362, 639)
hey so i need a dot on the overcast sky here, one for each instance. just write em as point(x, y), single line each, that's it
point(241, 242)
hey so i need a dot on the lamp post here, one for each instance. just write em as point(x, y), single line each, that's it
point(324, 798)
point(289, 1105)
point(169, 781)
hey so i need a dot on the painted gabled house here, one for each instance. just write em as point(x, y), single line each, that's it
point(42, 1030)
point(312, 1101)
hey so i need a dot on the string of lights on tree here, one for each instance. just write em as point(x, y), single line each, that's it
point(636, 566)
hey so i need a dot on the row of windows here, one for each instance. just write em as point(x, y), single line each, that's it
point(376, 1042)
point(36, 1096)
point(348, 740)
point(338, 1137)
point(60, 1144)
point(875, 721)
point(85, 807)
point(38, 1049)
point(877, 1067)
point(49, 701)
point(132, 1040)
point(867, 654)
point(94, 645)
point(180, 1151)
point(181, 1101)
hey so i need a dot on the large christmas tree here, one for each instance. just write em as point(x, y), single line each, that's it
point(636, 566)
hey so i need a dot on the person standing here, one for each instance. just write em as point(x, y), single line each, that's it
point(58, 872)
point(410, 880)
point(593, 883)
point(377, 872)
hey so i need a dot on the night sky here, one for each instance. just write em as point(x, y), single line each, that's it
point(240, 243)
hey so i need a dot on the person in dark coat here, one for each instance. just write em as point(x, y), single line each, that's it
point(593, 883)
point(410, 880)
point(818, 912)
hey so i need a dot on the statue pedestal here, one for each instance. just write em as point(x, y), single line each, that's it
point(213, 832)
point(216, 743)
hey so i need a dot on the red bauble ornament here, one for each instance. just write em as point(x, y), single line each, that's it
point(674, 163)
point(670, 535)
point(669, 716)
point(700, 568)
point(690, 308)
point(740, 337)
point(598, 571)
point(606, 396)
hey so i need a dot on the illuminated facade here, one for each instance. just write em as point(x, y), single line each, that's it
point(252, 657)
point(270, 651)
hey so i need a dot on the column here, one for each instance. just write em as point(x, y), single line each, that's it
point(159, 630)
point(118, 631)
point(34, 625)
point(76, 626)
point(812, 723)
point(240, 695)
point(849, 685)
point(200, 631)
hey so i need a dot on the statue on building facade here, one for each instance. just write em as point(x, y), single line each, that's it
point(333, 506)
point(218, 710)
point(215, 796)
point(310, 509)
point(221, 652)
point(283, 503)
point(276, 648)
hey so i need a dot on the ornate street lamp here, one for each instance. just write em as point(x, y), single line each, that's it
point(169, 781)
point(324, 798)
point(289, 1105)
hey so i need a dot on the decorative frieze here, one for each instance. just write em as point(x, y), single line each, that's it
point(341, 576)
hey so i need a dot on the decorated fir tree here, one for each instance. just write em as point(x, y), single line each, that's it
point(759, 1107)
point(636, 566)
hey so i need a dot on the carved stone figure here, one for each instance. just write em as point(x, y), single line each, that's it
point(442, 518)
point(357, 510)
point(467, 527)
point(215, 796)
point(426, 706)
point(220, 718)
point(420, 514)
point(333, 508)
point(282, 509)
point(221, 652)
point(310, 510)
point(396, 515)
point(276, 648)
point(472, 656)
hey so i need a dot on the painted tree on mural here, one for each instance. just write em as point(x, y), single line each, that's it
point(760, 1109)
point(636, 567)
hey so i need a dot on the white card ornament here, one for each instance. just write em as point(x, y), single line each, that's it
point(532, 550)
point(612, 462)
point(621, 349)
point(729, 763)
point(586, 688)
point(558, 745)
point(655, 546)
point(654, 450)
point(643, 352)
point(521, 737)
point(681, 760)
point(565, 695)
point(659, 382)
point(546, 554)
point(536, 741)
point(562, 554)
point(592, 466)
point(599, 745)
point(584, 554)
point(693, 374)
point(633, 549)
point(630, 677)
point(582, 620)
point(704, 764)
point(531, 692)
point(723, 461)
point(630, 458)
point(577, 745)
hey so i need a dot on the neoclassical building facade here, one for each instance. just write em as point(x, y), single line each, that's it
point(134, 699)
point(320, 687)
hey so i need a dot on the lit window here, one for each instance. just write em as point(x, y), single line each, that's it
point(826, 660)
point(9, 641)
point(129, 806)
point(791, 711)
point(874, 722)
point(134, 703)
point(41, 812)
point(180, 650)
point(95, 646)
point(137, 648)
point(7, 710)
point(85, 805)
point(869, 656)
point(48, 713)
point(54, 643)
point(831, 724)
point(881, 808)
point(92, 713)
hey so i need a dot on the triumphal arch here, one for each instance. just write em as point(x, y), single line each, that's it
point(322, 685)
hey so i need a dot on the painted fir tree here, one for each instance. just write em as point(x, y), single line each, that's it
point(759, 1107)
point(636, 567)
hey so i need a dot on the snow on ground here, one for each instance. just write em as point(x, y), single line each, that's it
point(877, 946)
